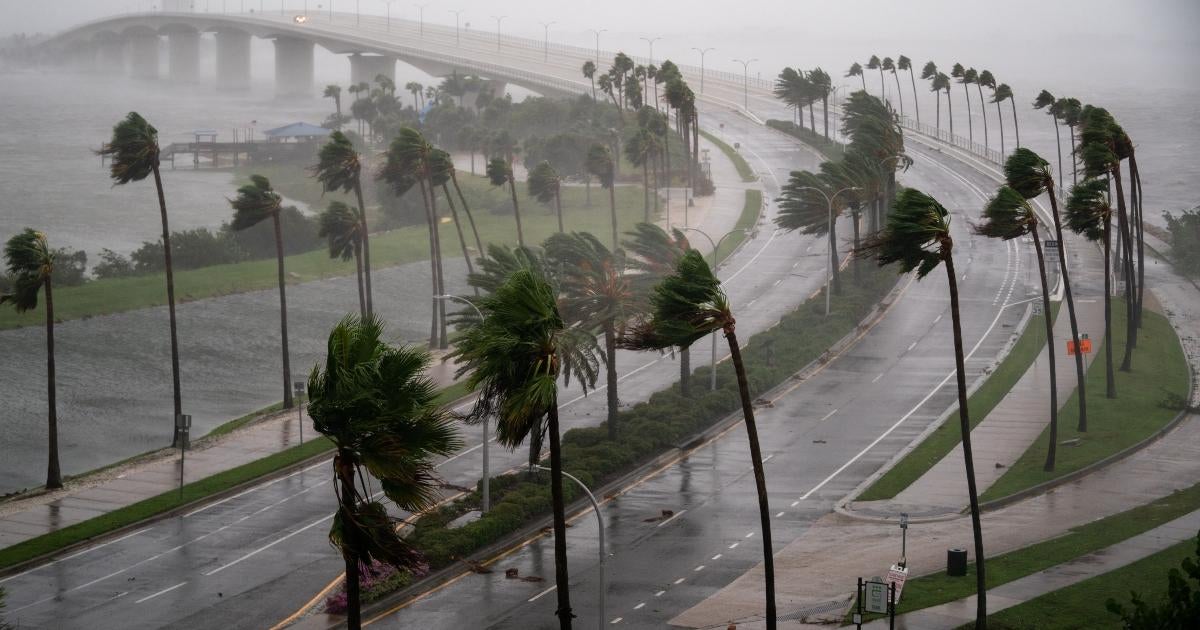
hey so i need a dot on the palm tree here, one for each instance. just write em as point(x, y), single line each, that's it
point(499, 172)
point(822, 85)
point(600, 163)
point(874, 64)
point(597, 291)
point(545, 185)
point(1046, 100)
point(656, 253)
point(1072, 112)
point(938, 83)
point(959, 72)
point(1089, 213)
point(1009, 215)
point(981, 79)
point(1001, 93)
point(917, 236)
point(339, 167)
point(335, 92)
point(514, 358)
point(789, 88)
point(685, 307)
point(904, 63)
point(803, 205)
point(969, 77)
point(415, 89)
point(589, 71)
point(374, 402)
point(943, 82)
point(256, 202)
point(133, 154)
point(343, 229)
point(444, 168)
point(1027, 173)
point(30, 262)
point(856, 70)
point(441, 166)
point(641, 150)
point(890, 66)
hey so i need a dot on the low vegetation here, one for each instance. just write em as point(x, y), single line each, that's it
point(743, 168)
point(830, 149)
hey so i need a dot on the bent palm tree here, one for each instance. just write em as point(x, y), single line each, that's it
point(600, 163)
point(890, 66)
point(917, 236)
point(803, 205)
point(856, 70)
point(874, 64)
point(656, 253)
point(340, 226)
point(256, 202)
point(442, 174)
point(1090, 214)
point(374, 402)
point(1000, 94)
point(339, 167)
point(943, 82)
point(984, 78)
point(1046, 100)
point(1029, 174)
point(30, 262)
point(589, 71)
point(685, 307)
point(959, 72)
point(545, 185)
point(1009, 215)
point(514, 358)
point(133, 153)
point(499, 172)
point(904, 63)
point(335, 92)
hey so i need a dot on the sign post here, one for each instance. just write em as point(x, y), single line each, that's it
point(903, 540)
point(1052, 252)
point(299, 387)
point(183, 425)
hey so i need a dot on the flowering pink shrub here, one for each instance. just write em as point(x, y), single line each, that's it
point(374, 581)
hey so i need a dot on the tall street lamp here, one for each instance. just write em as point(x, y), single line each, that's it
point(420, 19)
point(746, 82)
point(546, 26)
point(487, 495)
point(716, 246)
point(600, 529)
point(829, 200)
point(457, 18)
point(702, 51)
point(389, 14)
point(597, 34)
point(499, 19)
point(650, 41)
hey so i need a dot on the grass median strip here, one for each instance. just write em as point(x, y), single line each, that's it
point(751, 208)
point(938, 588)
point(1146, 401)
point(948, 436)
point(739, 162)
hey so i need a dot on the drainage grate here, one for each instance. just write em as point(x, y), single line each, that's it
point(799, 615)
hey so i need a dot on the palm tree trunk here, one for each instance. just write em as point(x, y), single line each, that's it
point(1080, 376)
point(1050, 451)
point(1135, 183)
point(881, 88)
point(833, 255)
point(950, 112)
point(366, 245)
point(1126, 271)
point(667, 174)
point(812, 118)
point(983, 115)
point(645, 190)
point(916, 102)
point(512, 187)
point(899, 94)
point(1016, 123)
point(1110, 378)
point(970, 124)
point(657, 178)
point(854, 218)
point(558, 206)
point(587, 191)
point(1000, 117)
point(760, 477)
point(345, 474)
point(462, 241)
point(612, 207)
point(467, 210)
point(561, 578)
point(358, 267)
point(825, 112)
point(685, 371)
point(610, 377)
point(968, 455)
point(695, 144)
point(170, 271)
point(434, 302)
point(938, 100)
point(283, 333)
point(53, 472)
point(443, 338)
point(863, 78)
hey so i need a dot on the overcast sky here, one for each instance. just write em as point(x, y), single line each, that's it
point(1066, 42)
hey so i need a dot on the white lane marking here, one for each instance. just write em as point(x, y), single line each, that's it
point(751, 302)
point(795, 503)
point(269, 545)
point(535, 597)
point(734, 545)
point(615, 621)
point(40, 601)
point(937, 319)
point(673, 517)
point(774, 234)
point(659, 594)
point(717, 557)
point(258, 487)
point(162, 592)
point(877, 377)
point(768, 458)
point(74, 555)
point(906, 416)
point(777, 282)
point(750, 535)
point(698, 569)
point(828, 416)
point(679, 581)
point(911, 346)
point(779, 515)
point(639, 606)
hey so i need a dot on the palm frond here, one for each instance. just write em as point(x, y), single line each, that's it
point(133, 149)
point(917, 231)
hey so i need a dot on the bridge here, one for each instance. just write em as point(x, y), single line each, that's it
point(373, 45)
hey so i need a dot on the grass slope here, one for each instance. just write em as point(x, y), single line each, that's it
point(751, 208)
point(739, 162)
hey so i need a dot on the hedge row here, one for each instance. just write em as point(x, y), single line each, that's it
point(828, 148)
point(653, 427)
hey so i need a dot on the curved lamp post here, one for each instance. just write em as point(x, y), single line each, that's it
point(702, 51)
point(599, 528)
point(597, 34)
point(486, 503)
point(712, 384)
point(546, 41)
point(829, 200)
point(746, 81)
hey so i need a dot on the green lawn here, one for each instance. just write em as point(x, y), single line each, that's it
point(943, 440)
point(938, 588)
point(1082, 606)
point(743, 168)
point(750, 211)
point(1160, 371)
point(493, 216)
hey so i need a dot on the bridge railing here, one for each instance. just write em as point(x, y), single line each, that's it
point(943, 135)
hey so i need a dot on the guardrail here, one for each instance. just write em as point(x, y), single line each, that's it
point(943, 135)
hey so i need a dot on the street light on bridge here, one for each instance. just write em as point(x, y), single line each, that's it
point(420, 19)
point(702, 51)
point(746, 82)
point(499, 19)
point(650, 41)
point(546, 45)
point(716, 246)
point(597, 34)
point(457, 18)
point(829, 200)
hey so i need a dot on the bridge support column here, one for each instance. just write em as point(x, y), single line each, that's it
point(367, 67)
point(110, 56)
point(184, 57)
point(233, 60)
point(143, 56)
point(293, 66)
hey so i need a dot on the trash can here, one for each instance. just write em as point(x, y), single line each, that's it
point(956, 562)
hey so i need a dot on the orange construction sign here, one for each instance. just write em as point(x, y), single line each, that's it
point(1085, 345)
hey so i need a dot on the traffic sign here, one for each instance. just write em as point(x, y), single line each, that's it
point(875, 597)
point(1085, 345)
point(897, 576)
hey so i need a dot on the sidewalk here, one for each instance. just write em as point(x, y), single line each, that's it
point(153, 474)
point(1007, 432)
point(959, 612)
